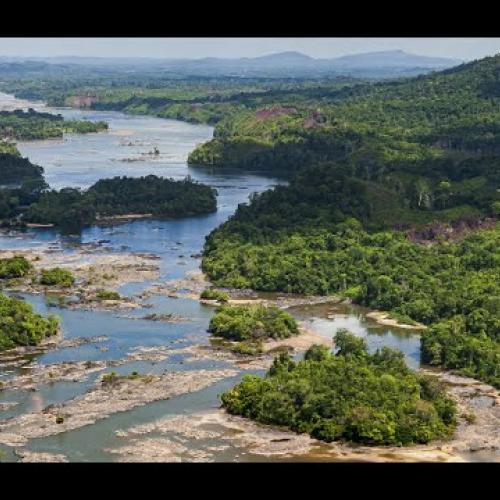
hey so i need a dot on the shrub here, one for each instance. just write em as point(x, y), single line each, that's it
point(108, 295)
point(57, 277)
point(20, 326)
point(15, 267)
point(212, 294)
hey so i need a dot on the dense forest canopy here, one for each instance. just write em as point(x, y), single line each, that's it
point(14, 169)
point(386, 168)
point(351, 396)
point(72, 209)
point(29, 125)
point(20, 326)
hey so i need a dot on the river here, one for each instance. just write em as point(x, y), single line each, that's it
point(79, 161)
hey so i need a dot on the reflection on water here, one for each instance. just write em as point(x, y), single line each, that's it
point(326, 319)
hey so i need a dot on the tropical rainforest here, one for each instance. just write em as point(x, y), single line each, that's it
point(72, 209)
point(351, 396)
point(21, 326)
point(392, 202)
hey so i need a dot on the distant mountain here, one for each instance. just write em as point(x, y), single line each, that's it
point(292, 64)
point(291, 58)
point(393, 58)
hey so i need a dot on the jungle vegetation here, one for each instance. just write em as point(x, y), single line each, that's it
point(353, 396)
point(393, 193)
point(15, 170)
point(20, 326)
point(72, 209)
point(30, 125)
point(392, 203)
point(254, 322)
point(243, 329)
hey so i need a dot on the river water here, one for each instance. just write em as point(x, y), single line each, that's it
point(80, 160)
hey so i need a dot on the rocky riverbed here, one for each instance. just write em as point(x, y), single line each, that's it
point(93, 272)
point(104, 399)
point(166, 439)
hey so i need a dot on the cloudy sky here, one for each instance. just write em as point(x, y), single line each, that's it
point(461, 48)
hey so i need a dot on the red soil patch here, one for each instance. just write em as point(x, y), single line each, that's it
point(450, 232)
point(265, 114)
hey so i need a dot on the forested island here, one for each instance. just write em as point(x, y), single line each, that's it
point(30, 125)
point(350, 396)
point(21, 326)
point(72, 209)
point(247, 327)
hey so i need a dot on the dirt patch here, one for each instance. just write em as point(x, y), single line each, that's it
point(456, 231)
point(274, 111)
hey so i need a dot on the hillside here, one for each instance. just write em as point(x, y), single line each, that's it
point(393, 205)
point(274, 65)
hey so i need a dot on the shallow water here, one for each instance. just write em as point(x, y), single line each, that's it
point(80, 160)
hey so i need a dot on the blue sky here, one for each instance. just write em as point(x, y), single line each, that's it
point(461, 48)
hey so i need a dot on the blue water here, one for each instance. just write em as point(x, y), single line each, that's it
point(81, 160)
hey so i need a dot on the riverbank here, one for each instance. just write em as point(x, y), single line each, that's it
point(244, 440)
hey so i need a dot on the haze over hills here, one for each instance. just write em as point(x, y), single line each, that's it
point(394, 58)
point(292, 63)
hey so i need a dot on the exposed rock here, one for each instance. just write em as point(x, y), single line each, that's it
point(33, 456)
point(7, 405)
point(103, 400)
point(75, 371)
point(189, 287)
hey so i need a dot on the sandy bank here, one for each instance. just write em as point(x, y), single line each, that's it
point(243, 439)
point(383, 318)
point(192, 437)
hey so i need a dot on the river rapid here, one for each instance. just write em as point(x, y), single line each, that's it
point(79, 161)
